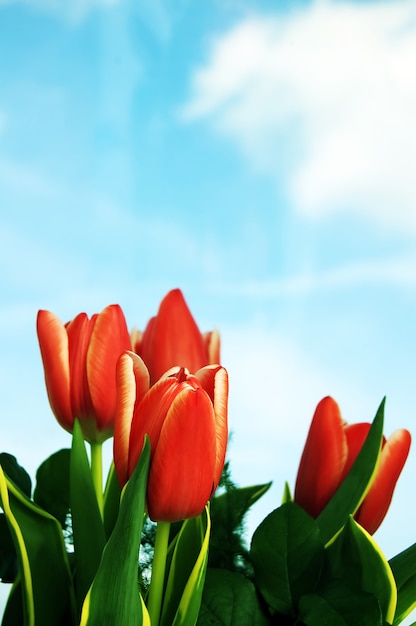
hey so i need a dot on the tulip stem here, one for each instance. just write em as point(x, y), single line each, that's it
point(97, 472)
point(158, 572)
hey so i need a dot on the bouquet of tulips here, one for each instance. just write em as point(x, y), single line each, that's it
point(160, 540)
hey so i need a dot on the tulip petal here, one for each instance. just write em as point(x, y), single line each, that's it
point(149, 415)
point(79, 333)
point(181, 472)
point(212, 346)
point(323, 458)
point(172, 338)
point(392, 459)
point(53, 342)
point(132, 380)
point(214, 379)
point(356, 435)
point(109, 338)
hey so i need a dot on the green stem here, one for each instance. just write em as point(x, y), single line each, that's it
point(97, 472)
point(158, 572)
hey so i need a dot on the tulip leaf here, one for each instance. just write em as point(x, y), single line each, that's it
point(403, 566)
point(45, 578)
point(230, 599)
point(186, 573)
point(8, 556)
point(13, 612)
point(87, 525)
point(52, 485)
point(355, 558)
point(352, 490)
point(16, 473)
point(114, 596)
point(287, 554)
point(111, 501)
point(338, 605)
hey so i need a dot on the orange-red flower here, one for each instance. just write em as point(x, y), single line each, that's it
point(185, 417)
point(173, 338)
point(330, 450)
point(79, 359)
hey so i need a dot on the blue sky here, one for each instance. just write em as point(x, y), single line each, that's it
point(259, 155)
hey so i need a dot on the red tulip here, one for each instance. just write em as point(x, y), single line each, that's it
point(79, 359)
point(173, 338)
point(185, 417)
point(330, 450)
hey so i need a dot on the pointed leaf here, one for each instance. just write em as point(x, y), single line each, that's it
point(16, 473)
point(87, 525)
point(287, 554)
point(338, 605)
point(187, 570)
point(403, 567)
point(114, 596)
point(112, 495)
point(355, 558)
point(46, 579)
point(230, 599)
point(52, 485)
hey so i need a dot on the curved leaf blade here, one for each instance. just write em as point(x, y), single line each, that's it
point(114, 596)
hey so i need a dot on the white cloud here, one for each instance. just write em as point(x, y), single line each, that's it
point(324, 96)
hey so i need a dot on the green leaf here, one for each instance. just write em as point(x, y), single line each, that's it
point(52, 485)
point(338, 605)
point(87, 525)
point(403, 566)
point(351, 492)
point(16, 473)
point(8, 556)
point(186, 573)
point(114, 596)
point(230, 599)
point(45, 577)
point(287, 494)
point(355, 558)
point(287, 554)
point(111, 501)
point(13, 612)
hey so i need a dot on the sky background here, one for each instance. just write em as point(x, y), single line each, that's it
point(257, 154)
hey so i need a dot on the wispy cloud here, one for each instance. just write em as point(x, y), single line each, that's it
point(336, 83)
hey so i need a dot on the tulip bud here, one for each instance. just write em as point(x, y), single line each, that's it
point(185, 418)
point(79, 359)
point(330, 450)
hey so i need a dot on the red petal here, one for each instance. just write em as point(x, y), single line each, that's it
point(109, 338)
point(172, 338)
point(214, 379)
point(132, 383)
point(53, 342)
point(149, 415)
point(181, 473)
point(356, 435)
point(377, 501)
point(323, 458)
point(212, 346)
point(79, 332)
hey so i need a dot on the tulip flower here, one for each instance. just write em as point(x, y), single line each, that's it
point(185, 418)
point(79, 359)
point(173, 338)
point(330, 450)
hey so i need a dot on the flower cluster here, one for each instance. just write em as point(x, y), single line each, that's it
point(162, 395)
